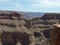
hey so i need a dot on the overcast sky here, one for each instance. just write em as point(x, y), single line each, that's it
point(31, 5)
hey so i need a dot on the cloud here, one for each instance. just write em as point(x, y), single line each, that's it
point(30, 5)
point(5, 1)
point(13, 6)
point(17, 5)
point(46, 3)
point(10, 5)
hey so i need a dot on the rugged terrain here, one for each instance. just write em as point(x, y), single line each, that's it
point(37, 27)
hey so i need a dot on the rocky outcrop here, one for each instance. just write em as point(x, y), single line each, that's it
point(43, 25)
point(9, 38)
point(49, 16)
point(9, 16)
point(15, 22)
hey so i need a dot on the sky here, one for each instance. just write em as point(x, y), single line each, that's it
point(31, 5)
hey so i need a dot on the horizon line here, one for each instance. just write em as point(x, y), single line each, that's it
point(28, 11)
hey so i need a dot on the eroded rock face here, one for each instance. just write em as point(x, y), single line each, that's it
point(13, 22)
point(13, 28)
point(37, 34)
point(11, 15)
point(11, 38)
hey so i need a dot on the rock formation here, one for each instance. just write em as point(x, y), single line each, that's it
point(18, 29)
point(49, 16)
point(13, 26)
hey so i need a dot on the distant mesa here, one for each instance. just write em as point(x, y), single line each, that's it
point(29, 15)
point(10, 15)
point(49, 16)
